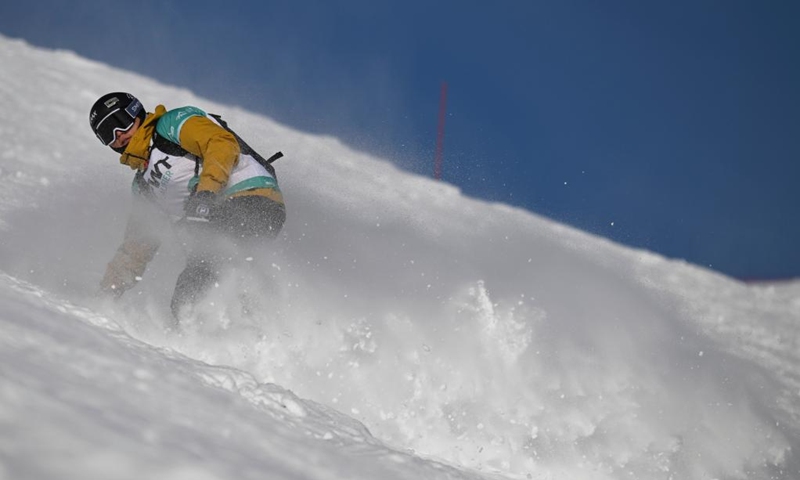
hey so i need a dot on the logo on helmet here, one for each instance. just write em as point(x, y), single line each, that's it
point(134, 108)
point(111, 102)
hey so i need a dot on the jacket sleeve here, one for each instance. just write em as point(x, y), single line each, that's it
point(217, 147)
point(131, 258)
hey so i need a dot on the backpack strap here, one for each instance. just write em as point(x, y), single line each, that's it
point(248, 150)
point(171, 148)
point(167, 146)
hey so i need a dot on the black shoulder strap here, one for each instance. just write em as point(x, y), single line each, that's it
point(248, 150)
point(167, 146)
point(172, 148)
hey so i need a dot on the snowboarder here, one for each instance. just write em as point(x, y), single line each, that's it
point(199, 173)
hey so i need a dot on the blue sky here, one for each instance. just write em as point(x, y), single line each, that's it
point(669, 126)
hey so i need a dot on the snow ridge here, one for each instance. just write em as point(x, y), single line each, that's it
point(412, 332)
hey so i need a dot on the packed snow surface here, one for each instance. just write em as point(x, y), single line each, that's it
point(397, 329)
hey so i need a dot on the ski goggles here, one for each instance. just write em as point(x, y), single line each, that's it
point(118, 120)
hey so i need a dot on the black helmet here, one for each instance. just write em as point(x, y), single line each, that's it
point(113, 112)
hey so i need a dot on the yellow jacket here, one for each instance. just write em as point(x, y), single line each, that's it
point(199, 136)
point(203, 138)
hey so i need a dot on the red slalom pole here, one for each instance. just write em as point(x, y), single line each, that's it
point(437, 164)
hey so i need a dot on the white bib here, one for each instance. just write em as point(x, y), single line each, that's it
point(171, 178)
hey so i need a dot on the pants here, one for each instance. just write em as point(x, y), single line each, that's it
point(244, 222)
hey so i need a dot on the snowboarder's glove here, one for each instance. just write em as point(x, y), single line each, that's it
point(199, 205)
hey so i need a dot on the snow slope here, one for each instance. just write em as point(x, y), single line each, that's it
point(404, 330)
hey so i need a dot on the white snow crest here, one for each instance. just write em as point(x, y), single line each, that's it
point(396, 329)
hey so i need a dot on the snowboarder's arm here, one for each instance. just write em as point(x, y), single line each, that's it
point(217, 147)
